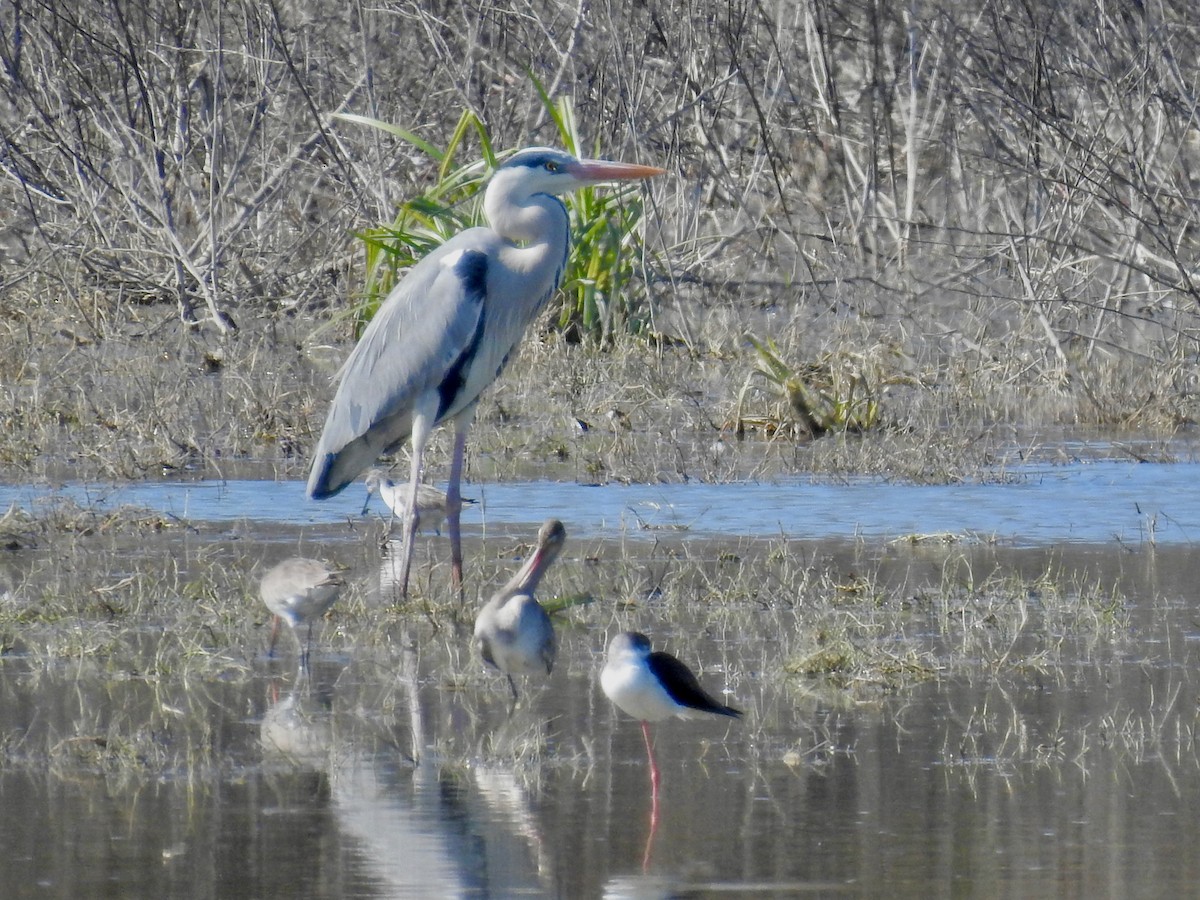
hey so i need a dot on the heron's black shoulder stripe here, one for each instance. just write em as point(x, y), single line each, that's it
point(471, 269)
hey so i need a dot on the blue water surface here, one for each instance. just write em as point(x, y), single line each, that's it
point(1079, 503)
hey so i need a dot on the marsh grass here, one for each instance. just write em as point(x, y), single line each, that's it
point(127, 408)
point(113, 410)
point(157, 657)
point(1005, 733)
point(835, 394)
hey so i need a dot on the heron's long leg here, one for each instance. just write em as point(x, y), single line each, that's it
point(454, 496)
point(420, 436)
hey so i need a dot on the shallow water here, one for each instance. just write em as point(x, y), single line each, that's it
point(1037, 505)
point(396, 770)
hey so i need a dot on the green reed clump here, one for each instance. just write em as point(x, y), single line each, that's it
point(598, 294)
point(423, 223)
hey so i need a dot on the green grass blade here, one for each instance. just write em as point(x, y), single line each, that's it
point(403, 133)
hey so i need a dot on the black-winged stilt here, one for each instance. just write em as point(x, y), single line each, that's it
point(652, 686)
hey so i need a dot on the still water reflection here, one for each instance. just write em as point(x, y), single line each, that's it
point(395, 769)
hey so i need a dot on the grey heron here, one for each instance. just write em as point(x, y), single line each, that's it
point(512, 632)
point(449, 328)
point(300, 590)
point(652, 686)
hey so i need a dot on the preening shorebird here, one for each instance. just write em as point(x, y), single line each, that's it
point(449, 328)
point(299, 591)
point(512, 632)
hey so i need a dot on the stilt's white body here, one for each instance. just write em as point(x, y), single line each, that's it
point(628, 682)
point(653, 686)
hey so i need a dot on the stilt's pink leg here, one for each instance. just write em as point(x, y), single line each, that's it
point(654, 782)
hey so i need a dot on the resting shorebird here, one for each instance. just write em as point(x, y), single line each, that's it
point(512, 631)
point(652, 686)
point(299, 590)
point(431, 502)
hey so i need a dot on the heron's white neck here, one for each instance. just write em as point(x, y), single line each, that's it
point(537, 225)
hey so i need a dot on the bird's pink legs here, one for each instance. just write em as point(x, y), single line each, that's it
point(654, 782)
point(654, 773)
point(454, 501)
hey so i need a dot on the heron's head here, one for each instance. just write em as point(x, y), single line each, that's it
point(544, 170)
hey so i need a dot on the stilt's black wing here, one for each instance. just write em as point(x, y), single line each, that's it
point(683, 687)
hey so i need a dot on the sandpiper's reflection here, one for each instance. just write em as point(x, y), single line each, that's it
point(391, 557)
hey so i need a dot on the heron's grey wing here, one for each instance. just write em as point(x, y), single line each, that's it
point(420, 336)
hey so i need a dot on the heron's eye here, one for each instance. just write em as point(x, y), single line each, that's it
point(551, 166)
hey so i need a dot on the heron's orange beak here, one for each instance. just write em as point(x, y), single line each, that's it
point(602, 170)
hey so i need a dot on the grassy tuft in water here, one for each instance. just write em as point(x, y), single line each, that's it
point(839, 393)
